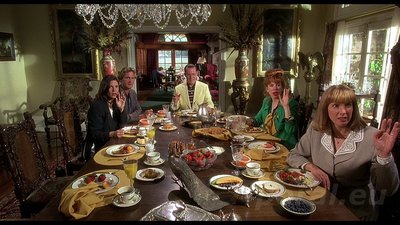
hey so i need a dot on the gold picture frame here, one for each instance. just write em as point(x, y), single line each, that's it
point(72, 59)
point(280, 42)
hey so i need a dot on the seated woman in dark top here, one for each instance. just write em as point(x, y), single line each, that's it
point(106, 114)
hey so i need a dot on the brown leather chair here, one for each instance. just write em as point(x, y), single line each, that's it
point(25, 160)
point(68, 121)
point(304, 112)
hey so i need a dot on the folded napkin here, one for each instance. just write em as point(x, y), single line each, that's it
point(215, 132)
point(264, 136)
point(80, 202)
point(270, 161)
point(128, 135)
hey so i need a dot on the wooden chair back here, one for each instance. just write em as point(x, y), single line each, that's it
point(24, 156)
point(70, 133)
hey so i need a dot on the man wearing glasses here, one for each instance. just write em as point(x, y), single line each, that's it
point(192, 93)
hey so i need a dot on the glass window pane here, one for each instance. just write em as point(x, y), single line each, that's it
point(378, 40)
point(356, 42)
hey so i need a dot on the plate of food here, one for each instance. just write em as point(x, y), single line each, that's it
point(105, 181)
point(225, 181)
point(267, 188)
point(248, 138)
point(266, 146)
point(132, 130)
point(295, 178)
point(168, 128)
point(149, 174)
point(251, 129)
point(298, 206)
point(122, 150)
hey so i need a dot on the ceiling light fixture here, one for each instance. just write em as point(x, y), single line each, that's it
point(136, 14)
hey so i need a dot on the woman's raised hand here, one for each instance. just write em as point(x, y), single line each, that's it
point(285, 97)
point(120, 101)
point(385, 138)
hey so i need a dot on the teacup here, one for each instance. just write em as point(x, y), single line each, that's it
point(253, 168)
point(125, 194)
point(142, 131)
point(153, 157)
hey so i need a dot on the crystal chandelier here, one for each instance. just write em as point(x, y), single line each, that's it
point(136, 14)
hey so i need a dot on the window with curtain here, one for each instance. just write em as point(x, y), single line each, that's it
point(362, 57)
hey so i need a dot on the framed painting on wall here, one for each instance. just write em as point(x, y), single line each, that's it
point(279, 41)
point(72, 57)
point(7, 50)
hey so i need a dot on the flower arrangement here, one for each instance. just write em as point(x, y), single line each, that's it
point(103, 38)
point(244, 30)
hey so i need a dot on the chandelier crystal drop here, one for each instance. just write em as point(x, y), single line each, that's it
point(136, 14)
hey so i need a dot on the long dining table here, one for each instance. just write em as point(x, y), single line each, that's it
point(155, 193)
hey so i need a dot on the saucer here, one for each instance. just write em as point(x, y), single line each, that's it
point(133, 201)
point(156, 163)
point(260, 174)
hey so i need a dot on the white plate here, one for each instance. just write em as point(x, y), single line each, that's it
point(134, 201)
point(259, 184)
point(113, 150)
point(311, 181)
point(142, 145)
point(309, 204)
point(80, 182)
point(173, 128)
point(260, 145)
point(159, 171)
point(218, 150)
point(261, 174)
point(157, 163)
point(212, 179)
point(248, 138)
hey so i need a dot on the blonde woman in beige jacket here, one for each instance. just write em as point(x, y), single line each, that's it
point(346, 155)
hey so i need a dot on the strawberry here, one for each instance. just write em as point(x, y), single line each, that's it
point(101, 178)
point(88, 180)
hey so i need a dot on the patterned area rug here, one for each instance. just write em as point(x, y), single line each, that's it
point(9, 205)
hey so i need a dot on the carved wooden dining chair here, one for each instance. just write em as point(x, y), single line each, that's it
point(25, 160)
point(49, 119)
point(69, 130)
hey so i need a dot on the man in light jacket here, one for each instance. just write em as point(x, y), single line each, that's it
point(192, 93)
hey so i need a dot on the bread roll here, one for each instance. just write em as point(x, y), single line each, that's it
point(228, 180)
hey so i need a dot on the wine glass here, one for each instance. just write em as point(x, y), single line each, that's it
point(130, 168)
point(237, 152)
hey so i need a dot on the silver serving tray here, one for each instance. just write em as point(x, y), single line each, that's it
point(165, 212)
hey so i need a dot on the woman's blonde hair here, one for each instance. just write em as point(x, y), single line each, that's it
point(276, 76)
point(337, 94)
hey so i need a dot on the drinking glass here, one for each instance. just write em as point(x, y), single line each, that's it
point(130, 168)
point(237, 152)
point(151, 132)
point(165, 108)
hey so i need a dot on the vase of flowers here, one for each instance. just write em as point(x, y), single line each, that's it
point(108, 40)
point(242, 32)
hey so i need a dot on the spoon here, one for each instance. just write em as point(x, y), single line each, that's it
point(208, 146)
